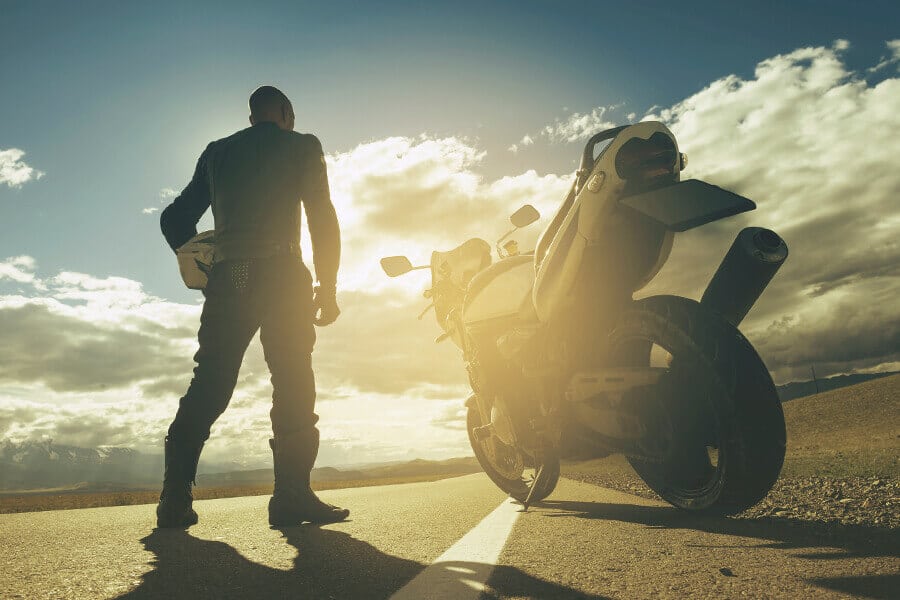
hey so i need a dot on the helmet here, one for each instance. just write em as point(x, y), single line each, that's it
point(195, 259)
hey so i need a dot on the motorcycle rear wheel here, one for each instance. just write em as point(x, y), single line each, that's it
point(726, 422)
point(506, 465)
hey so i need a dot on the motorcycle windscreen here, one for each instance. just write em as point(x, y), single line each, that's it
point(451, 273)
point(688, 204)
point(462, 263)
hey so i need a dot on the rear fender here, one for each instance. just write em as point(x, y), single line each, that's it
point(687, 204)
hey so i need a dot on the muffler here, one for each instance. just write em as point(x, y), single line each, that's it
point(748, 267)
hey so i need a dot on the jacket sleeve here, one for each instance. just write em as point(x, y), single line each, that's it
point(324, 231)
point(179, 220)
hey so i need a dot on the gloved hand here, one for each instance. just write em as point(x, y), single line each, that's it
point(325, 308)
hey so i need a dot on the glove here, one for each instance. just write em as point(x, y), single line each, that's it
point(325, 308)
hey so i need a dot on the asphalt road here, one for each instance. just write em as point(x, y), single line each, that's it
point(452, 538)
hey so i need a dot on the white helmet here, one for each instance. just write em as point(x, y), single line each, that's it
point(195, 259)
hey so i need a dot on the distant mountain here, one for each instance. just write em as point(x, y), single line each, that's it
point(413, 468)
point(45, 466)
point(800, 389)
point(451, 466)
point(32, 465)
point(266, 477)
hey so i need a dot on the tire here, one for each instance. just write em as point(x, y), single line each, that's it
point(718, 394)
point(516, 486)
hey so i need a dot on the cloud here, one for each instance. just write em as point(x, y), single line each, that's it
point(414, 195)
point(93, 361)
point(14, 171)
point(453, 417)
point(81, 333)
point(19, 269)
point(576, 126)
point(813, 143)
point(526, 140)
point(580, 126)
point(165, 197)
point(892, 58)
point(392, 351)
point(840, 45)
point(66, 353)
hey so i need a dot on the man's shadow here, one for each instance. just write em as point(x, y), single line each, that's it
point(329, 564)
point(850, 541)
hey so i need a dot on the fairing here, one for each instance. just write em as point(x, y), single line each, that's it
point(500, 291)
point(584, 220)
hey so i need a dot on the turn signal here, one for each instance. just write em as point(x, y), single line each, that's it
point(596, 181)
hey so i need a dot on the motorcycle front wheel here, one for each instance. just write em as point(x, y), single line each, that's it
point(718, 416)
point(507, 466)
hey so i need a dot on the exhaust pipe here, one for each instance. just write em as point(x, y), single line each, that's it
point(748, 267)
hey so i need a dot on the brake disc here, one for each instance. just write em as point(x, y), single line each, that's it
point(505, 459)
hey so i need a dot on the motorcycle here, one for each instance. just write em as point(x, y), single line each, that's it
point(564, 362)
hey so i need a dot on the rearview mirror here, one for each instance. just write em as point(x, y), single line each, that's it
point(524, 216)
point(396, 265)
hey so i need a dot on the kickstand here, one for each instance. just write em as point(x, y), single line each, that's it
point(534, 484)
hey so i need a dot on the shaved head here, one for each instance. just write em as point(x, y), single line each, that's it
point(268, 103)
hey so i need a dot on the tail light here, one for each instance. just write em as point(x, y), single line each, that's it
point(647, 159)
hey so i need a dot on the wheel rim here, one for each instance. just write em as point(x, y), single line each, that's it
point(696, 457)
point(505, 459)
point(506, 462)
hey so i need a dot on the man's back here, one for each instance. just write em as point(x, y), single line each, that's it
point(257, 177)
point(255, 180)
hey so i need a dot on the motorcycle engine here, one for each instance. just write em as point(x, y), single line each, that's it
point(513, 398)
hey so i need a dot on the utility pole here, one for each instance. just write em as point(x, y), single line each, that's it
point(815, 381)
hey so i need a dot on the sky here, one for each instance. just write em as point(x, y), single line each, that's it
point(438, 121)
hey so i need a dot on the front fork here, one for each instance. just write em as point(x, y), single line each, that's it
point(546, 433)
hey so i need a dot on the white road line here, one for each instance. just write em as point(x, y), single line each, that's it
point(461, 571)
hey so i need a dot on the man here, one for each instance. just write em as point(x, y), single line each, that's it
point(255, 182)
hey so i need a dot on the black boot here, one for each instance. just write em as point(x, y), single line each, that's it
point(175, 502)
point(293, 502)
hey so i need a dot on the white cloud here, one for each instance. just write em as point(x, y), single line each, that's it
point(814, 145)
point(14, 171)
point(166, 195)
point(98, 361)
point(576, 126)
point(840, 45)
point(526, 140)
point(413, 195)
point(580, 126)
point(18, 268)
point(892, 58)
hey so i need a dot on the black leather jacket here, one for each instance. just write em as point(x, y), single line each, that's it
point(255, 180)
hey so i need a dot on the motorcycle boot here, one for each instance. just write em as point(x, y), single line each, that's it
point(175, 508)
point(293, 501)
